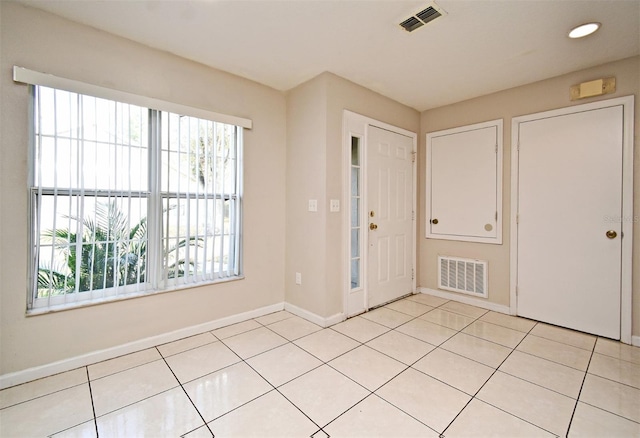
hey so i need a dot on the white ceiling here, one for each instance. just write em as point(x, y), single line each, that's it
point(478, 47)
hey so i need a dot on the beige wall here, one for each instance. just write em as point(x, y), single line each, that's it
point(540, 96)
point(306, 179)
point(314, 171)
point(43, 42)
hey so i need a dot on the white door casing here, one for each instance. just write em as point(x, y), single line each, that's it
point(570, 185)
point(357, 300)
point(389, 211)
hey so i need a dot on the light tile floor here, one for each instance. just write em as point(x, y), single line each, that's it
point(419, 367)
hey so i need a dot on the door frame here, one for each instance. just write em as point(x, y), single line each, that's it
point(627, 103)
point(354, 124)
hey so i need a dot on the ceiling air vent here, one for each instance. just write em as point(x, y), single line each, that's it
point(411, 24)
point(421, 18)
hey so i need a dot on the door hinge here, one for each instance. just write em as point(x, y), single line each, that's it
point(516, 291)
point(496, 148)
point(413, 215)
point(496, 215)
point(413, 156)
point(413, 273)
point(517, 218)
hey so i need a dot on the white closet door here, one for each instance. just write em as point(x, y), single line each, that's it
point(464, 185)
point(569, 220)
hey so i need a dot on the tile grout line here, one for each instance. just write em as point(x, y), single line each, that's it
point(474, 396)
point(391, 329)
point(549, 360)
point(315, 368)
point(364, 344)
point(422, 357)
point(93, 407)
point(336, 370)
point(274, 388)
point(186, 394)
point(633, 364)
point(609, 412)
point(373, 393)
point(95, 423)
point(615, 381)
point(563, 343)
point(43, 395)
point(584, 379)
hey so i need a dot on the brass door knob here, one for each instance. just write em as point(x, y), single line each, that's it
point(611, 234)
point(373, 227)
point(434, 221)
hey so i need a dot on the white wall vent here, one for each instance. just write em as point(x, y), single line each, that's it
point(421, 18)
point(463, 275)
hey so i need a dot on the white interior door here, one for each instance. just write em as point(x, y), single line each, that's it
point(570, 220)
point(389, 210)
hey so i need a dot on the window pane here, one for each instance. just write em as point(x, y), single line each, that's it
point(355, 242)
point(355, 212)
point(355, 181)
point(355, 151)
point(199, 156)
point(355, 273)
point(83, 142)
point(90, 243)
point(201, 209)
point(90, 165)
point(198, 237)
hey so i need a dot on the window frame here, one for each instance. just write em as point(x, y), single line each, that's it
point(153, 282)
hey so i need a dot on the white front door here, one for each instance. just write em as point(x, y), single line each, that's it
point(569, 223)
point(389, 211)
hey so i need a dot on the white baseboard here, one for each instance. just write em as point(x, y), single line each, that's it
point(466, 300)
point(50, 369)
point(11, 379)
point(312, 317)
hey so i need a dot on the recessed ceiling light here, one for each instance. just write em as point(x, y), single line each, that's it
point(583, 30)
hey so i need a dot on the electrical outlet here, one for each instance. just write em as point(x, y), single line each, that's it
point(298, 278)
point(334, 205)
point(313, 205)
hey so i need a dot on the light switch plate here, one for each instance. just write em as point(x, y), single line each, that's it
point(334, 205)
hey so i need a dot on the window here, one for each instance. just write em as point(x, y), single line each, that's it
point(128, 200)
point(356, 235)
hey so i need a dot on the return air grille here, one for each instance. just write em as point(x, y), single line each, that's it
point(421, 18)
point(463, 275)
point(428, 14)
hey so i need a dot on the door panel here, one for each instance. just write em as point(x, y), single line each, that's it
point(463, 189)
point(390, 198)
point(569, 196)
